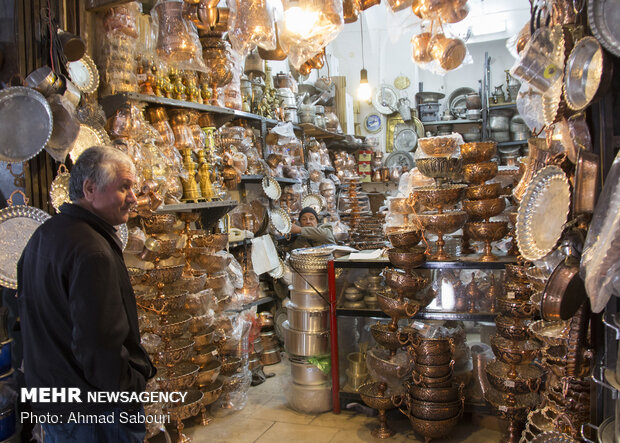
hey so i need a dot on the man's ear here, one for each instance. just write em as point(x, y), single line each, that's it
point(89, 188)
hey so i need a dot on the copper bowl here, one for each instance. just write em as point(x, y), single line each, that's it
point(213, 242)
point(192, 283)
point(173, 352)
point(407, 258)
point(397, 307)
point(438, 146)
point(172, 325)
point(208, 374)
point(478, 173)
point(161, 303)
point(518, 290)
point(433, 428)
point(177, 378)
point(516, 273)
point(440, 167)
point(166, 275)
point(433, 371)
point(230, 365)
point(512, 328)
point(478, 152)
point(190, 407)
point(515, 307)
point(486, 231)
point(211, 263)
point(200, 324)
point(439, 382)
point(382, 368)
point(405, 237)
point(439, 197)
point(440, 395)
point(198, 303)
point(552, 333)
point(385, 337)
point(434, 360)
point(373, 397)
point(400, 205)
point(203, 340)
point(483, 192)
point(484, 209)
point(406, 283)
point(211, 392)
point(159, 223)
point(444, 223)
point(528, 377)
point(514, 353)
point(429, 410)
point(217, 281)
point(205, 355)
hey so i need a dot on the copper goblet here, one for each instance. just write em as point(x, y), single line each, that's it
point(478, 152)
point(375, 396)
point(484, 209)
point(487, 232)
point(440, 168)
point(478, 173)
point(439, 197)
point(484, 191)
point(440, 224)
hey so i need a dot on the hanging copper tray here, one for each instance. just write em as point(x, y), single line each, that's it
point(17, 224)
point(542, 213)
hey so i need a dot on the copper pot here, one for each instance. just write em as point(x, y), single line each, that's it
point(405, 238)
point(448, 52)
point(512, 328)
point(564, 292)
point(428, 410)
point(441, 395)
point(420, 48)
point(586, 182)
point(350, 10)
point(435, 371)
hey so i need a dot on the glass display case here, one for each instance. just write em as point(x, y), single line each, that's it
point(460, 296)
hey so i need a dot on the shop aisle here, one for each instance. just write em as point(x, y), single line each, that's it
point(267, 419)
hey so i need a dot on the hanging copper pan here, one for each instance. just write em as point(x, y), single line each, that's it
point(564, 292)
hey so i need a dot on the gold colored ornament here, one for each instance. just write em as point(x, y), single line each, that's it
point(191, 192)
point(402, 82)
point(59, 191)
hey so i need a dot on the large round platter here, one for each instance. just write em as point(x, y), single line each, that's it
point(456, 102)
point(603, 17)
point(26, 123)
point(405, 137)
point(17, 224)
point(314, 201)
point(271, 187)
point(372, 123)
point(385, 100)
point(88, 136)
point(278, 272)
point(84, 74)
point(583, 73)
point(542, 213)
point(399, 158)
point(281, 221)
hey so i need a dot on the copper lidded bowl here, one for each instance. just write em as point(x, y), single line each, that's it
point(478, 173)
point(439, 197)
point(478, 152)
point(483, 192)
point(528, 377)
point(405, 237)
point(484, 209)
point(407, 258)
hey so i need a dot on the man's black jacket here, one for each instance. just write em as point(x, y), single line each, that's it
point(78, 311)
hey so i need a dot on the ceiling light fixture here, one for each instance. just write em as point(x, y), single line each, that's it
point(363, 91)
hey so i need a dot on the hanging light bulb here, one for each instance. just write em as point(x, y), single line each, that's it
point(364, 90)
point(300, 17)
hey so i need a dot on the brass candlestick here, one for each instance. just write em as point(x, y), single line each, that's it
point(191, 192)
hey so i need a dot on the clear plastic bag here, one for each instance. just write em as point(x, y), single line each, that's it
point(251, 24)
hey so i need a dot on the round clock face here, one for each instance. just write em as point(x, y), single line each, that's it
point(373, 123)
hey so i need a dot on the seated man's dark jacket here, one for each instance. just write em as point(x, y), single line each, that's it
point(78, 312)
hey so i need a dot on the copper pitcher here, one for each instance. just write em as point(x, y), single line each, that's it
point(538, 157)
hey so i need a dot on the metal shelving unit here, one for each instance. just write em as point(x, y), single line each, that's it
point(257, 178)
point(512, 143)
point(210, 212)
point(452, 122)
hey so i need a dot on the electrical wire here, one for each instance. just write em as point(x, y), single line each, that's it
point(362, 35)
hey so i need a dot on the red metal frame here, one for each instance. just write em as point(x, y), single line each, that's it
point(333, 333)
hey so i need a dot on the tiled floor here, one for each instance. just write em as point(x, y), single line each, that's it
point(267, 419)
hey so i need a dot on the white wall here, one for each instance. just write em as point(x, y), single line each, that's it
point(387, 49)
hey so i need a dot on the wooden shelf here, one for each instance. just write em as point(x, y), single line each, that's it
point(210, 212)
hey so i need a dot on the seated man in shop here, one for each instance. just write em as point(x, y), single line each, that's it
point(311, 234)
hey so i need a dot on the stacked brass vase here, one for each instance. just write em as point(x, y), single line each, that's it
point(443, 197)
point(434, 403)
point(483, 199)
point(515, 381)
point(388, 366)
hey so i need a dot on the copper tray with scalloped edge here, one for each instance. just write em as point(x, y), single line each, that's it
point(17, 224)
